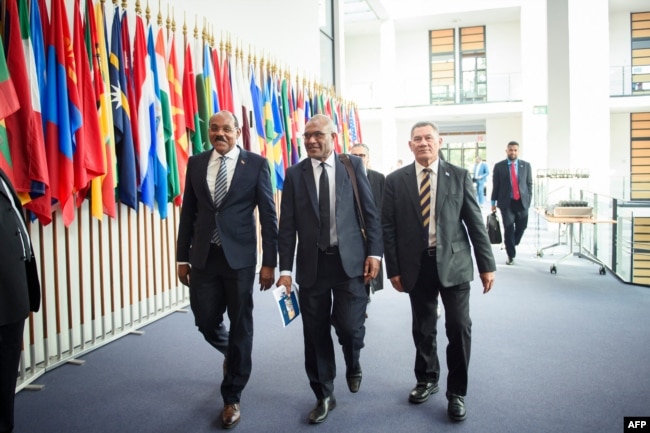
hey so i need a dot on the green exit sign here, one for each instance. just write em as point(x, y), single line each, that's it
point(540, 109)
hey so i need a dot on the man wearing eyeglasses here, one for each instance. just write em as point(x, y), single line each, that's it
point(217, 249)
point(429, 217)
point(376, 180)
point(333, 262)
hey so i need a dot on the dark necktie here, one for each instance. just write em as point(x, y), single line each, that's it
point(220, 188)
point(515, 183)
point(425, 197)
point(324, 208)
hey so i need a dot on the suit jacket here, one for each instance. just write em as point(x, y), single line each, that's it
point(458, 221)
point(377, 181)
point(502, 187)
point(299, 218)
point(20, 290)
point(250, 187)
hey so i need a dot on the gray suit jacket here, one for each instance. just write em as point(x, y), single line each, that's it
point(502, 187)
point(458, 221)
point(299, 221)
point(20, 290)
point(250, 188)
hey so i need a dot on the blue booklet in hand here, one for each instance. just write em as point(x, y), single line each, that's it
point(287, 303)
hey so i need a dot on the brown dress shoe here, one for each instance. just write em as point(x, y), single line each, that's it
point(230, 416)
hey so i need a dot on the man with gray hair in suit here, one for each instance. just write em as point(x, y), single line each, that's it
point(429, 217)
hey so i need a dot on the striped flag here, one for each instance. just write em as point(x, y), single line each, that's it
point(24, 128)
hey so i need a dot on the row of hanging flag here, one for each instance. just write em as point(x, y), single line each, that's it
point(102, 115)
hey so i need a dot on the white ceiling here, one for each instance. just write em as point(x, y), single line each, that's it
point(364, 16)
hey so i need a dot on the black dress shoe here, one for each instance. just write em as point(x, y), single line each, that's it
point(354, 382)
point(422, 391)
point(456, 408)
point(319, 413)
point(353, 377)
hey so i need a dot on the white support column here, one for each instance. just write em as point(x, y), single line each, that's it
point(387, 91)
point(589, 87)
point(534, 84)
point(579, 119)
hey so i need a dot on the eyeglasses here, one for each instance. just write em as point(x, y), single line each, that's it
point(420, 139)
point(318, 135)
point(360, 155)
point(225, 129)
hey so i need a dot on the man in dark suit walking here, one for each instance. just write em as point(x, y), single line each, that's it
point(512, 193)
point(217, 249)
point(429, 217)
point(20, 293)
point(377, 181)
point(333, 262)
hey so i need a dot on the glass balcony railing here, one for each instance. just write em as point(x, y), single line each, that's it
point(505, 87)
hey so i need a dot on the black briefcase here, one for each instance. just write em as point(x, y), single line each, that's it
point(494, 229)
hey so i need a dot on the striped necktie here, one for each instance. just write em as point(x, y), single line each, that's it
point(220, 188)
point(425, 197)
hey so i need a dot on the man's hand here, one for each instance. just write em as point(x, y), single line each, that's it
point(184, 274)
point(285, 280)
point(396, 281)
point(266, 277)
point(370, 269)
point(488, 281)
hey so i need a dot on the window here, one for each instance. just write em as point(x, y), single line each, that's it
point(327, 61)
point(641, 53)
point(473, 64)
point(443, 74)
point(463, 67)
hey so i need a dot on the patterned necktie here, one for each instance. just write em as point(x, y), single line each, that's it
point(220, 188)
point(324, 208)
point(515, 183)
point(425, 197)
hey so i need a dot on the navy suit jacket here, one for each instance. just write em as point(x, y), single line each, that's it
point(250, 188)
point(20, 290)
point(299, 218)
point(458, 220)
point(502, 187)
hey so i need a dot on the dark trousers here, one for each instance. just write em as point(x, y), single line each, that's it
point(213, 291)
point(458, 326)
point(11, 340)
point(515, 221)
point(335, 300)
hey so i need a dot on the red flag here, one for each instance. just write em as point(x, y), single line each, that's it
point(226, 87)
point(62, 112)
point(178, 117)
point(89, 158)
point(24, 129)
point(216, 67)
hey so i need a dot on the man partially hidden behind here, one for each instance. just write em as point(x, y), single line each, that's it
point(20, 293)
point(512, 193)
point(377, 181)
point(217, 237)
point(429, 217)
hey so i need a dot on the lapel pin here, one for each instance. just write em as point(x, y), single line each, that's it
point(446, 173)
